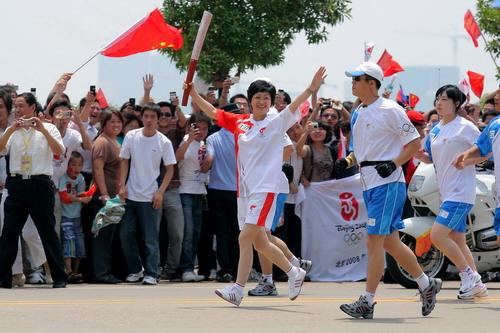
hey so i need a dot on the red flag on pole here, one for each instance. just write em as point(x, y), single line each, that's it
point(99, 96)
point(150, 33)
point(388, 65)
point(413, 100)
point(476, 83)
point(471, 26)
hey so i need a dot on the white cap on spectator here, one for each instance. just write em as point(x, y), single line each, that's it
point(367, 68)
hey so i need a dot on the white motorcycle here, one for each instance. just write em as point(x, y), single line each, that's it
point(480, 235)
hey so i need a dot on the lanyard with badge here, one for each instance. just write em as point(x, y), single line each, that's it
point(26, 159)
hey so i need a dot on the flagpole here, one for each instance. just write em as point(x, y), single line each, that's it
point(86, 62)
point(491, 54)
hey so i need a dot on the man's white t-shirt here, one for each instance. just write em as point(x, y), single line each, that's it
point(72, 141)
point(146, 154)
point(259, 150)
point(380, 132)
point(192, 179)
point(38, 149)
point(444, 144)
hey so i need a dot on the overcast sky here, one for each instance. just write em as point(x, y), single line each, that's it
point(42, 39)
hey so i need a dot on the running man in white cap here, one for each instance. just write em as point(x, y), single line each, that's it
point(383, 139)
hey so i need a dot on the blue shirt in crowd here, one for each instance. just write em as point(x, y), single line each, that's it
point(220, 146)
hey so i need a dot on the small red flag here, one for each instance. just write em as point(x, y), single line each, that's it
point(99, 96)
point(476, 83)
point(413, 100)
point(471, 26)
point(150, 33)
point(388, 65)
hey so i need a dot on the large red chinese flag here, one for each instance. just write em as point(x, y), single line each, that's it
point(476, 83)
point(150, 33)
point(389, 65)
point(99, 96)
point(471, 26)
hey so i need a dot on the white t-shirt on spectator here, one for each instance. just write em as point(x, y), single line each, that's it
point(72, 141)
point(145, 154)
point(446, 143)
point(380, 132)
point(192, 180)
point(87, 154)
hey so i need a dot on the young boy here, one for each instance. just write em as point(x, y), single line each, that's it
point(72, 195)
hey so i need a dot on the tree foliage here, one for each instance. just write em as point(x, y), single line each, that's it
point(245, 34)
point(489, 22)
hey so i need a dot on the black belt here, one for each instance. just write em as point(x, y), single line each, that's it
point(18, 176)
point(372, 163)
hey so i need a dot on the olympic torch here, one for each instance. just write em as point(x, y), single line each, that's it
point(198, 44)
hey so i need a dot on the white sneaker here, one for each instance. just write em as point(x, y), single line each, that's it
point(36, 278)
point(135, 277)
point(149, 280)
point(190, 276)
point(230, 294)
point(471, 286)
point(295, 284)
point(213, 275)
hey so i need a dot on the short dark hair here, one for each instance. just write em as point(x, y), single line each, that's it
point(490, 113)
point(453, 93)
point(76, 154)
point(151, 107)
point(130, 117)
point(51, 96)
point(165, 104)
point(7, 100)
point(57, 104)
point(29, 98)
point(106, 116)
point(261, 86)
point(199, 117)
point(231, 100)
point(430, 114)
point(286, 98)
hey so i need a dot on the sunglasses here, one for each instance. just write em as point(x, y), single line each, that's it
point(165, 114)
point(359, 78)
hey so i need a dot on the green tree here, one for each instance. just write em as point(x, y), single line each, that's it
point(245, 34)
point(489, 22)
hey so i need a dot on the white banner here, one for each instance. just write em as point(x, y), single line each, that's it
point(334, 219)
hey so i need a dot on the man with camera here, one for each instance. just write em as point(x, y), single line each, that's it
point(30, 144)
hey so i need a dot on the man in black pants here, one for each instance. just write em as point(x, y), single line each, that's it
point(31, 145)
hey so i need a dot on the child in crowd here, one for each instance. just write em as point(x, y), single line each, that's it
point(71, 191)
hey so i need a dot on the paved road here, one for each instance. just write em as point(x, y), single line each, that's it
point(177, 307)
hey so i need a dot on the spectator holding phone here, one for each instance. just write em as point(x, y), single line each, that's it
point(191, 155)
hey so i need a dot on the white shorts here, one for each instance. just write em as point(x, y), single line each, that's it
point(259, 209)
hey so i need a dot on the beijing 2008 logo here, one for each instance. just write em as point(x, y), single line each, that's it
point(349, 206)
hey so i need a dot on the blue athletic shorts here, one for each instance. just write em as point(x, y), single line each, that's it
point(453, 215)
point(497, 221)
point(385, 204)
point(280, 206)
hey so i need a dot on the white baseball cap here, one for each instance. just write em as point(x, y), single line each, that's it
point(367, 68)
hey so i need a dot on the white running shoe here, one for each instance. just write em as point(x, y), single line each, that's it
point(149, 280)
point(134, 277)
point(295, 284)
point(471, 286)
point(230, 294)
point(191, 276)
